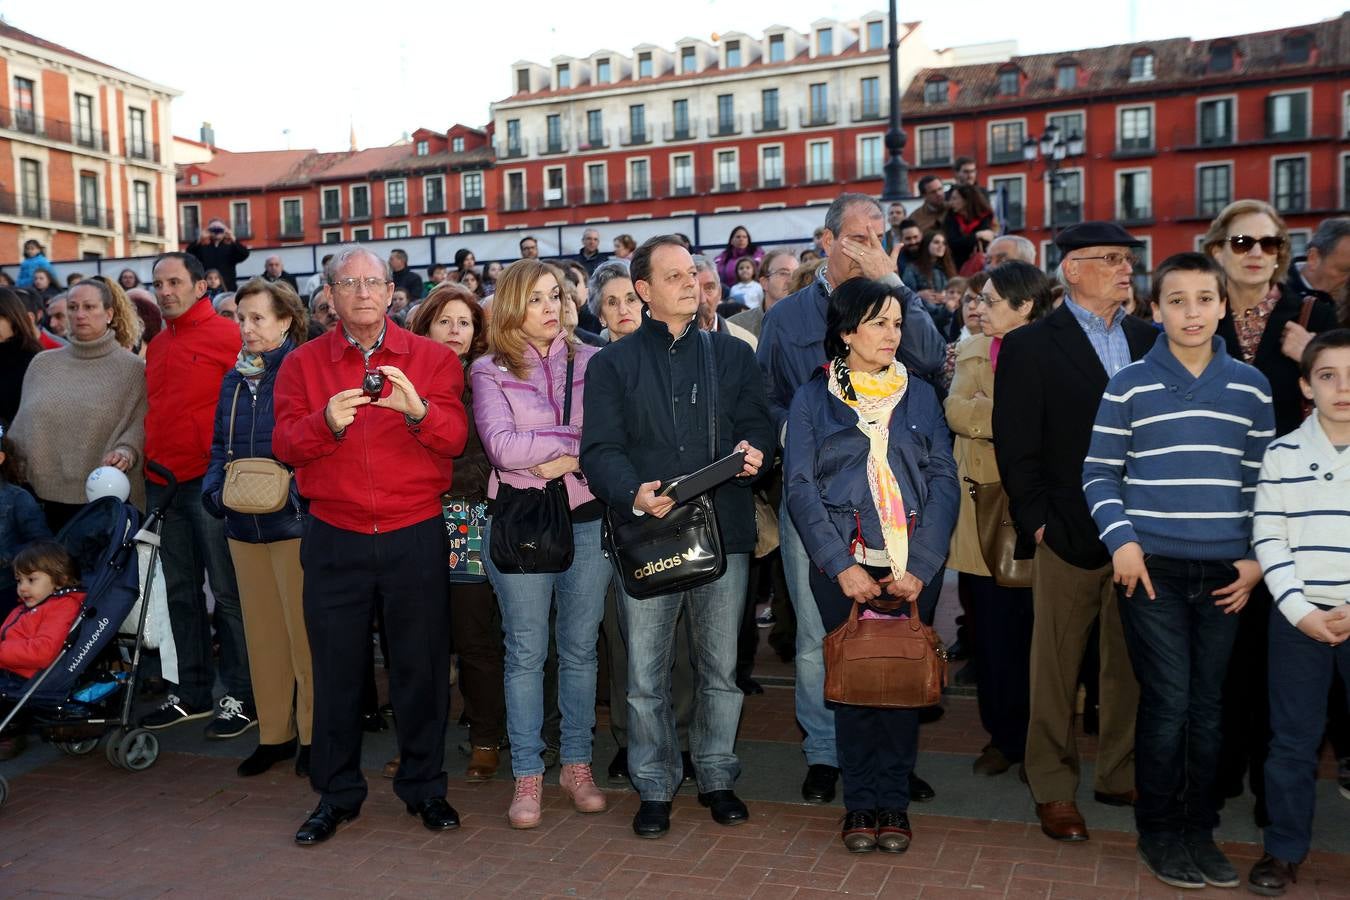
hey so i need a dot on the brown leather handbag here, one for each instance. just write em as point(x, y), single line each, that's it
point(998, 538)
point(890, 662)
point(256, 485)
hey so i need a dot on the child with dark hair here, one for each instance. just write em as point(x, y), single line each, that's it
point(50, 598)
point(21, 520)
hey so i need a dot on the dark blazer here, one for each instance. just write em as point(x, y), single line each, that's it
point(1047, 387)
point(1280, 370)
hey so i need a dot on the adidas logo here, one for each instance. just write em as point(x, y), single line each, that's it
point(696, 554)
point(660, 565)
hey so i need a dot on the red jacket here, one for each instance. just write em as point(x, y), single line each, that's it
point(184, 366)
point(30, 639)
point(381, 474)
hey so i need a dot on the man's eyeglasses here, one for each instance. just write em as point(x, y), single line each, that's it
point(781, 273)
point(988, 302)
point(1270, 244)
point(1114, 260)
point(352, 285)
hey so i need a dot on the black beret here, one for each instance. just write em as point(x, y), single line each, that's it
point(1095, 234)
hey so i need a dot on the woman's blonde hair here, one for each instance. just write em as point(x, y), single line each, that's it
point(1218, 232)
point(505, 337)
point(286, 304)
point(126, 325)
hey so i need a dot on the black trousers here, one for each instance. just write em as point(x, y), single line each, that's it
point(346, 575)
point(1245, 721)
point(477, 624)
point(1001, 652)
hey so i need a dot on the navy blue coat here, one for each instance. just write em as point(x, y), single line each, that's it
point(825, 477)
point(254, 420)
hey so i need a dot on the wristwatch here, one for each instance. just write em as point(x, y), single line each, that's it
point(417, 421)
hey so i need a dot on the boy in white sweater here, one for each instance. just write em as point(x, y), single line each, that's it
point(1301, 534)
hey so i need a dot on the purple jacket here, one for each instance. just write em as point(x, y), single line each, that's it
point(518, 419)
point(727, 260)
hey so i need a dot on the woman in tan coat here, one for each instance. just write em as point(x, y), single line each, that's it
point(1015, 294)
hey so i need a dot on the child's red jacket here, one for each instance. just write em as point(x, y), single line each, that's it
point(30, 639)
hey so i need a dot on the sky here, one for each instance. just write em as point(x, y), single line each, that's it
point(272, 75)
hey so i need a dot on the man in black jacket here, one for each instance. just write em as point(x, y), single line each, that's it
point(217, 249)
point(647, 422)
point(1048, 385)
point(405, 277)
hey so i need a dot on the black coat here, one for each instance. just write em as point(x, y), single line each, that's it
point(1047, 387)
point(640, 423)
point(222, 257)
point(14, 360)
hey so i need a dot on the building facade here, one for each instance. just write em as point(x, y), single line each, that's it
point(86, 165)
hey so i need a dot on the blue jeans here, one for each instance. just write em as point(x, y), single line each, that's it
point(1179, 646)
point(525, 601)
point(193, 550)
point(714, 612)
point(1301, 672)
point(812, 716)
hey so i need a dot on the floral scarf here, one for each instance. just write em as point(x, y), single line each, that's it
point(250, 365)
point(874, 398)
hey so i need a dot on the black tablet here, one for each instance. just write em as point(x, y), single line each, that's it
point(687, 487)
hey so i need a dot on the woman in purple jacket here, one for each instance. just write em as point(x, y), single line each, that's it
point(739, 246)
point(519, 393)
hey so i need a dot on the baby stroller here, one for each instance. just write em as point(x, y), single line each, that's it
point(89, 689)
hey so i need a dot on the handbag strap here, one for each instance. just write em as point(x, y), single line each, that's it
point(234, 406)
point(1305, 311)
point(710, 387)
point(567, 397)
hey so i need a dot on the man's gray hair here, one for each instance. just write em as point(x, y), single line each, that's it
point(219, 299)
point(703, 264)
point(314, 299)
point(346, 255)
point(1061, 276)
point(1329, 233)
point(604, 273)
point(834, 216)
point(1023, 249)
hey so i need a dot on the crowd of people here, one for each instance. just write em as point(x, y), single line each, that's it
point(1171, 461)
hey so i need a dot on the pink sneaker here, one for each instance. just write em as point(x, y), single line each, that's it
point(576, 782)
point(524, 811)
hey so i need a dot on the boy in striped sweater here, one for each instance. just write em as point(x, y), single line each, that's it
point(1302, 538)
point(1170, 477)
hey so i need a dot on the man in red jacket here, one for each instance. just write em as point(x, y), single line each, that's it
point(184, 366)
point(370, 417)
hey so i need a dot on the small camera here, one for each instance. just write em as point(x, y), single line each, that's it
point(216, 229)
point(372, 385)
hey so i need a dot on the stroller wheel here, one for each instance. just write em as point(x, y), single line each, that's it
point(138, 750)
point(113, 745)
point(78, 748)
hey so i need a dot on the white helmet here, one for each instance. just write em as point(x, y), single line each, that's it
point(107, 481)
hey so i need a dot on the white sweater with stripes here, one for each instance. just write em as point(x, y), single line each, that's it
point(1301, 530)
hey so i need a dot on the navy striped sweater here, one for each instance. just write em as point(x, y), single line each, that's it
point(1174, 459)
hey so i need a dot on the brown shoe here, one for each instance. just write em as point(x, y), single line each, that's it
point(482, 764)
point(1061, 820)
point(1126, 799)
point(391, 768)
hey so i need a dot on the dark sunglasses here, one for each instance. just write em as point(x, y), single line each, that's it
point(1241, 243)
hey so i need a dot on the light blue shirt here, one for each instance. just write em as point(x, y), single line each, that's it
point(1107, 338)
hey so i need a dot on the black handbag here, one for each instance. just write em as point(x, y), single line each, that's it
point(532, 527)
point(683, 550)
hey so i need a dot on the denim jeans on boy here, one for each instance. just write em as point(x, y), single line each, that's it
point(814, 718)
point(714, 612)
point(1301, 670)
point(1179, 646)
point(193, 549)
point(525, 601)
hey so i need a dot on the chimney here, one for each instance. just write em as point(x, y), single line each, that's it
point(208, 135)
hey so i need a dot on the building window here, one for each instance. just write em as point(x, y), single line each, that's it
point(360, 201)
point(869, 157)
point(1005, 141)
point(602, 71)
point(595, 183)
point(189, 221)
point(136, 145)
point(733, 54)
point(876, 38)
point(1141, 66)
point(819, 162)
point(396, 198)
point(1291, 185)
point(84, 120)
point(726, 114)
point(777, 48)
point(513, 138)
point(1068, 124)
point(639, 180)
point(396, 231)
point(1066, 76)
point(241, 219)
point(471, 190)
point(935, 145)
point(1296, 49)
point(1216, 121)
point(140, 206)
point(1009, 82)
point(330, 207)
point(935, 91)
point(30, 181)
point(433, 194)
point(727, 176)
point(682, 175)
point(457, 145)
point(820, 104)
point(768, 102)
point(522, 81)
point(1287, 116)
point(25, 105)
point(1214, 189)
point(644, 65)
point(1136, 128)
point(1220, 57)
point(771, 166)
point(555, 193)
point(553, 133)
point(423, 148)
point(1066, 199)
point(291, 224)
point(679, 113)
point(434, 228)
point(688, 60)
point(1135, 196)
point(595, 127)
point(89, 212)
point(871, 98)
point(472, 225)
point(515, 191)
point(564, 76)
point(359, 235)
point(1009, 202)
point(825, 42)
point(333, 236)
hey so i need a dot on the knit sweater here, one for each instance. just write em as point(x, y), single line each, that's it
point(1301, 530)
point(1174, 459)
point(80, 403)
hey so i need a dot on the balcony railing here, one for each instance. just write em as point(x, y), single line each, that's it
point(292, 229)
point(551, 146)
point(396, 209)
point(679, 131)
point(359, 214)
point(139, 148)
point(870, 110)
point(77, 134)
point(144, 225)
point(506, 150)
point(816, 116)
point(471, 201)
point(634, 137)
point(329, 215)
point(434, 205)
point(592, 140)
point(517, 201)
point(54, 211)
point(775, 120)
point(723, 126)
point(243, 231)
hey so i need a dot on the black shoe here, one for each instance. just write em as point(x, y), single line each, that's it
point(859, 831)
point(1166, 857)
point(618, 766)
point(1210, 860)
point(820, 782)
point(1270, 876)
point(302, 761)
point(172, 711)
point(749, 686)
point(727, 808)
point(373, 722)
point(437, 815)
point(323, 823)
point(266, 756)
point(233, 718)
point(652, 819)
point(920, 791)
point(687, 766)
point(930, 714)
point(893, 831)
point(957, 650)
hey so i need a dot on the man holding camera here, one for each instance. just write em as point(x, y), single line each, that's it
point(218, 249)
point(370, 417)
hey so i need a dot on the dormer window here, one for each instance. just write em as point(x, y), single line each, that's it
point(522, 81)
point(602, 71)
point(1066, 76)
point(194, 179)
point(1296, 49)
point(1220, 57)
point(423, 148)
point(564, 76)
point(733, 54)
point(457, 145)
point(825, 42)
point(1009, 82)
point(688, 60)
point(876, 35)
point(1142, 66)
point(777, 48)
point(644, 65)
point(935, 91)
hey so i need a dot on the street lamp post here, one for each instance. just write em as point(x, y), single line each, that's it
point(896, 171)
point(1052, 149)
